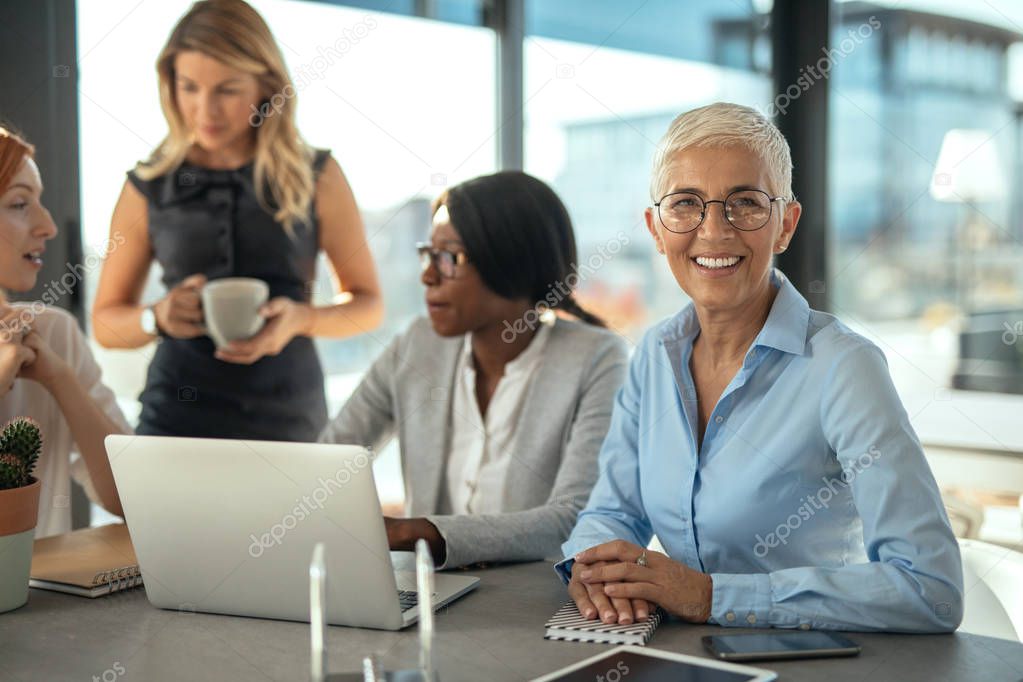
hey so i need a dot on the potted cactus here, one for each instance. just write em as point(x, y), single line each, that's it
point(20, 444)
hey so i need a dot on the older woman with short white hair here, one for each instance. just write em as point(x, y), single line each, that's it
point(762, 442)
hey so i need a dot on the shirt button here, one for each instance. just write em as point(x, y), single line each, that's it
point(730, 617)
point(804, 626)
point(751, 619)
point(718, 419)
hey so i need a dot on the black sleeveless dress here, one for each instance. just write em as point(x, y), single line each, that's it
point(210, 222)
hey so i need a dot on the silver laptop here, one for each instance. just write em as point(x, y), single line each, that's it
point(228, 526)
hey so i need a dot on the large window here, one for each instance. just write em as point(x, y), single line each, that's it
point(925, 132)
point(926, 225)
point(408, 106)
point(926, 234)
point(603, 80)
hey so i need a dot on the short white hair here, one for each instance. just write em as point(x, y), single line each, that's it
point(724, 124)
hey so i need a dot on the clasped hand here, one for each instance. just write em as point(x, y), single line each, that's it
point(24, 354)
point(607, 582)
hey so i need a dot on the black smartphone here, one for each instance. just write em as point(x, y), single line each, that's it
point(779, 646)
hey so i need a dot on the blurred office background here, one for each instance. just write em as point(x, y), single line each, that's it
point(908, 158)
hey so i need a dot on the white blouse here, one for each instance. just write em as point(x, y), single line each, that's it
point(481, 446)
point(29, 399)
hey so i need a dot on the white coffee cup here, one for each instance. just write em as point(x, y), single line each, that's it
point(231, 308)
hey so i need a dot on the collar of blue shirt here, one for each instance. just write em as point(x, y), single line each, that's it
point(785, 329)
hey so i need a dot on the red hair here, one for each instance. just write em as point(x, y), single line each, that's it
point(13, 150)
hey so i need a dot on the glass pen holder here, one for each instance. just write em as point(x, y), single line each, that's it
point(372, 669)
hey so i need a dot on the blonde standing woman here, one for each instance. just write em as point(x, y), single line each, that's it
point(230, 195)
point(47, 371)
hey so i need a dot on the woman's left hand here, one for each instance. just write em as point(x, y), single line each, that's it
point(285, 319)
point(671, 585)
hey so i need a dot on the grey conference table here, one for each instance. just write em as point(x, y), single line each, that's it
point(494, 633)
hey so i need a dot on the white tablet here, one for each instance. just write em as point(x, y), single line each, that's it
point(653, 665)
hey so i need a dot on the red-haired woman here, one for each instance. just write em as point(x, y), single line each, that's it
point(46, 369)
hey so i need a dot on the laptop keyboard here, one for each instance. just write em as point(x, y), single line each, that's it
point(408, 599)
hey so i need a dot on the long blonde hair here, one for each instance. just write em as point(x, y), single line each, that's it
point(234, 33)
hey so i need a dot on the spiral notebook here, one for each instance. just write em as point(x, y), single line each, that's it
point(570, 626)
point(90, 562)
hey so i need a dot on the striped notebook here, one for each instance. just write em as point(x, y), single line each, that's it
point(569, 625)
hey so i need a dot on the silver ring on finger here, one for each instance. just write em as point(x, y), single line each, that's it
point(642, 559)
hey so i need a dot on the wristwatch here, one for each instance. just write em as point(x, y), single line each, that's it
point(148, 321)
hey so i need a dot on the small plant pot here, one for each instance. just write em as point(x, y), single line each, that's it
point(19, 509)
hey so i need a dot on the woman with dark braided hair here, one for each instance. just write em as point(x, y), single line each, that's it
point(499, 411)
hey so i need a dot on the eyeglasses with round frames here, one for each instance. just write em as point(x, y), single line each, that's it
point(446, 262)
point(745, 209)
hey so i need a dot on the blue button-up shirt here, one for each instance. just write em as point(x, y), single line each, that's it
point(809, 501)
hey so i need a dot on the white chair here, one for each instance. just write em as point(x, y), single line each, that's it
point(966, 518)
point(993, 584)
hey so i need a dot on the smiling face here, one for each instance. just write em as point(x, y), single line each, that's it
point(721, 268)
point(463, 303)
point(216, 102)
point(25, 227)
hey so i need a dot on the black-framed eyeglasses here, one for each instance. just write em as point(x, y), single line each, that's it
point(446, 262)
point(745, 209)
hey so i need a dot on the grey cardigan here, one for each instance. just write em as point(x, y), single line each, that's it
point(408, 392)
